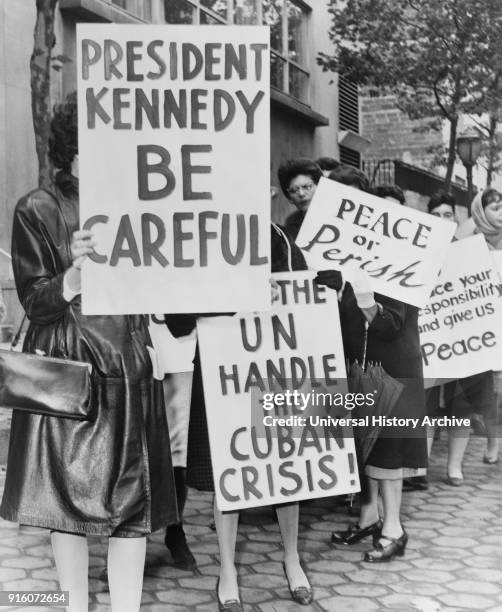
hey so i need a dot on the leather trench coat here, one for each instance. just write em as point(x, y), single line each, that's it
point(111, 475)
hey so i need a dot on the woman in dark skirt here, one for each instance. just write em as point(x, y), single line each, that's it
point(398, 452)
point(393, 341)
point(110, 475)
point(284, 256)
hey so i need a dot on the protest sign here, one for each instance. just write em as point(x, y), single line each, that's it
point(174, 144)
point(497, 262)
point(252, 365)
point(460, 327)
point(400, 248)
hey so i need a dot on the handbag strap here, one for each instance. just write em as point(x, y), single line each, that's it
point(288, 245)
point(15, 338)
point(365, 345)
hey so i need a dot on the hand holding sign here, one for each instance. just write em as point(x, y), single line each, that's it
point(330, 278)
point(82, 245)
point(363, 289)
point(276, 293)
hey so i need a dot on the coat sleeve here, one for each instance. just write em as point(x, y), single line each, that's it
point(388, 323)
point(39, 286)
point(183, 324)
point(180, 324)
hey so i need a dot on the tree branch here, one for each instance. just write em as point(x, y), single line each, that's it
point(438, 99)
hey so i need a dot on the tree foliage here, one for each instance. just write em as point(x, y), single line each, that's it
point(438, 58)
point(41, 63)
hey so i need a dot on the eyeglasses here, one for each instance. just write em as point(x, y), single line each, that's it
point(296, 190)
point(444, 215)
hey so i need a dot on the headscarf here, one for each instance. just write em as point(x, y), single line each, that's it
point(492, 232)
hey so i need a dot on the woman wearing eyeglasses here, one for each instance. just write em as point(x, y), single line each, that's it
point(298, 179)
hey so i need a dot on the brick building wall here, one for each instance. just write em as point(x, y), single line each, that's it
point(392, 133)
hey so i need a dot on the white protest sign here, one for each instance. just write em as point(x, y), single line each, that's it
point(257, 459)
point(172, 354)
point(497, 261)
point(461, 326)
point(174, 141)
point(400, 248)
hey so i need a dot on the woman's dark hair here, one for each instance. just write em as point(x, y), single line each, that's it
point(327, 163)
point(489, 195)
point(348, 175)
point(294, 167)
point(390, 191)
point(441, 197)
point(63, 138)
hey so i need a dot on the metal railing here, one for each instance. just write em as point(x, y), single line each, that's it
point(380, 171)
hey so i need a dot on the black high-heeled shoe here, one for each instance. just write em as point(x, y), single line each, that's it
point(355, 534)
point(229, 605)
point(382, 554)
point(302, 595)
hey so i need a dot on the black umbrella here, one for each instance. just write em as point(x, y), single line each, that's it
point(386, 391)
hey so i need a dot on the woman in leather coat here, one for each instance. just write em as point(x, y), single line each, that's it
point(110, 475)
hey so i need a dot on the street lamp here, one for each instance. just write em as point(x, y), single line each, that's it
point(468, 149)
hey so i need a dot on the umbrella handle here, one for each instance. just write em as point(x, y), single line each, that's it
point(365, 346)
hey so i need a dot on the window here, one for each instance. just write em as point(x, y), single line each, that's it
point(204, 12)
point(288, 38)
point(241, 12)
point(246, 12)
point(179, 11)
point(288, 33)
point(140, 8)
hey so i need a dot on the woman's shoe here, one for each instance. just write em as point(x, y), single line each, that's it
point(454, 481)
point(230, 605)
point(176, 543)
point(416, 483)
point(490, 460)
point(478, 425)
point(302, 595)
point(382, 554)
point(355, 534)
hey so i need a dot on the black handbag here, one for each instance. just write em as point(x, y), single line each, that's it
point(44, 385)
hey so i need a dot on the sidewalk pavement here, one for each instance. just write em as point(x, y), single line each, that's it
point(453, 562)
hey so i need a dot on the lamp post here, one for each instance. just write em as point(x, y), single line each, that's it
point(468, 149)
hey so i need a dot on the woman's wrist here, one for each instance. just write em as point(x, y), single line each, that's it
point(370, 313)
point(72, 284)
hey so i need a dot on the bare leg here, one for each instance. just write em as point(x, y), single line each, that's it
point(491, 422)
point(391, 495)
point(71, 554)
point(126, 564)
point(369, 502)
point(430, 439)
point(226, 529)
point(458, 438)
point(288, 515)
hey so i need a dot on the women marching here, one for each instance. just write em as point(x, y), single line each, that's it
point(112, 475)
